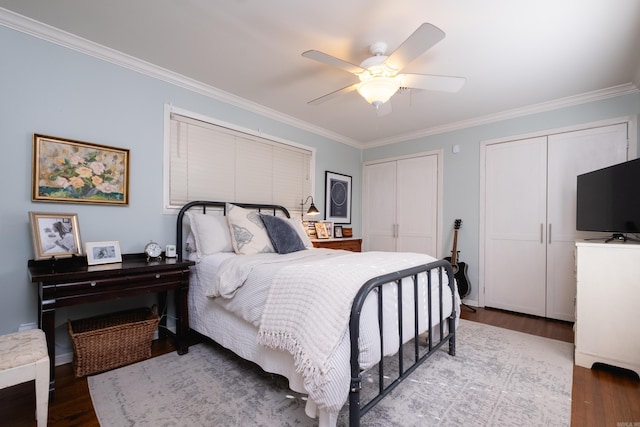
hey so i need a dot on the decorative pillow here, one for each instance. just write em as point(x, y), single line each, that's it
point(248, 234)
point(211, 233)
point(302, 233)
point(282, 234)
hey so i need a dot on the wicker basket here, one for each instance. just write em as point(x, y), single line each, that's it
point(106, 342)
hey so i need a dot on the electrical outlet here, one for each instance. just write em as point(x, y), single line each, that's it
point(27, 326)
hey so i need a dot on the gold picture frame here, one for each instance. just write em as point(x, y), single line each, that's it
point(321, 230)
point(71, 171)
point(55, 235)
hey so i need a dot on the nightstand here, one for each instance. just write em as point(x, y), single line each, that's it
point(347, 244)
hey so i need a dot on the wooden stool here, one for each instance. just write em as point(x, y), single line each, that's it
point(24, 357)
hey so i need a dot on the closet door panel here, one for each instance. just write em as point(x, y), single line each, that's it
point(515, 218)
point(515, 282)
point(417, 204)
point(572, 154)
point(380, 210)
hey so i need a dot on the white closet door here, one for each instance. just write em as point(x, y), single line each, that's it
point(401, 204)
point(572, 154)
point(380, 207)
point(515, 217)
point(417, 203)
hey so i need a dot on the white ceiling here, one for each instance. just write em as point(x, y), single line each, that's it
point(515, 54)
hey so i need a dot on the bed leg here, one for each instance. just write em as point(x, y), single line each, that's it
point(452, 331)
point(354, 402)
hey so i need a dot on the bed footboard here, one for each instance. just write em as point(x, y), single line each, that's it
point(385, 386)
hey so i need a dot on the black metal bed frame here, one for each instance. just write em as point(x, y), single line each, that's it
point(356, 408)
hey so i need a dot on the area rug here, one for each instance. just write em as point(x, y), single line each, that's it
point(497, 378)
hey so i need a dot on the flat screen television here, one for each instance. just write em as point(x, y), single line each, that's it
point(608, 200)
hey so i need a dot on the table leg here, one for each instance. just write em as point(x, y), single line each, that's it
point(182, 322)
point(162, 312)
point(47, 322)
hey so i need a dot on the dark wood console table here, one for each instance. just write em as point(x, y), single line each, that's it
point(70, 281)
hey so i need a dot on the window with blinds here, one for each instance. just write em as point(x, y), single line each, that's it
point(212, 162)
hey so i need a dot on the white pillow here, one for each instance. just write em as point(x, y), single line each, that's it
point(211, 233)
point(248, 233)
point(299, 227)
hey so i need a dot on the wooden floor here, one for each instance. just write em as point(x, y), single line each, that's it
point(600, 397)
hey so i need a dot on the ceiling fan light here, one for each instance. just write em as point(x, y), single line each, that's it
point(378, 90)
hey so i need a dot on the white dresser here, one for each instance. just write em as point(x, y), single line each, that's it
point(607, 326)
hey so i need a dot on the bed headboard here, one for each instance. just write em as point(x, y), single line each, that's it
point(202, 205)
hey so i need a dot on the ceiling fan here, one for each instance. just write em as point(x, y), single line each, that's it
point(380, 75)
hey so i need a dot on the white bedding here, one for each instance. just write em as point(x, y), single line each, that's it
point(240, 285)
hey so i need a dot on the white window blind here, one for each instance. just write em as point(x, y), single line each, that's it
point(212, 162)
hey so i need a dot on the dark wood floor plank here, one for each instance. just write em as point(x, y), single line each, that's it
point(600, 397)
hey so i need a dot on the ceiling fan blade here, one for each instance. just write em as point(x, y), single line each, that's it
point(332, 95)
point(433, 82)
point(422, 39)
point(332, 60)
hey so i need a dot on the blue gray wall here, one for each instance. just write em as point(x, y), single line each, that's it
point(53, 90)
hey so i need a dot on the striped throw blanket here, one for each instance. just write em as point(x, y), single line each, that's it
point(309, 304)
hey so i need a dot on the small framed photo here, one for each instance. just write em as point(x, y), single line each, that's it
point(321, 230)
point(55, 235)
point(337, 231)
point(329, 226)
point(103, 252)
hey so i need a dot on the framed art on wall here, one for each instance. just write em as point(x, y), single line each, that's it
point(55, 235)
point(71, 171)
point(338, 198)
point(103, 252)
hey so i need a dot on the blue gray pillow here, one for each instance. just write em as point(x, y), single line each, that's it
point(283, 236)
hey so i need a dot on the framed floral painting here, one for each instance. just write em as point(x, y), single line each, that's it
point(79, 172)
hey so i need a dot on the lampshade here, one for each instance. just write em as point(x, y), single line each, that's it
point(312, 209)
point(378, 90)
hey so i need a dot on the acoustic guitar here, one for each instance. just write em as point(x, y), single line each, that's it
point(459, 268)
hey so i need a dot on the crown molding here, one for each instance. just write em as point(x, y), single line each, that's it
point(62, 38)
point(597, 95)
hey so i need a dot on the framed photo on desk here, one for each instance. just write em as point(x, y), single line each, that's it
point(55, 235)
point(321, 230)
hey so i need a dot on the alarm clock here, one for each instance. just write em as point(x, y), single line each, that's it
point(153, 251)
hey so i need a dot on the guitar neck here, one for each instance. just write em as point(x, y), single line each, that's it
point(454, 251)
